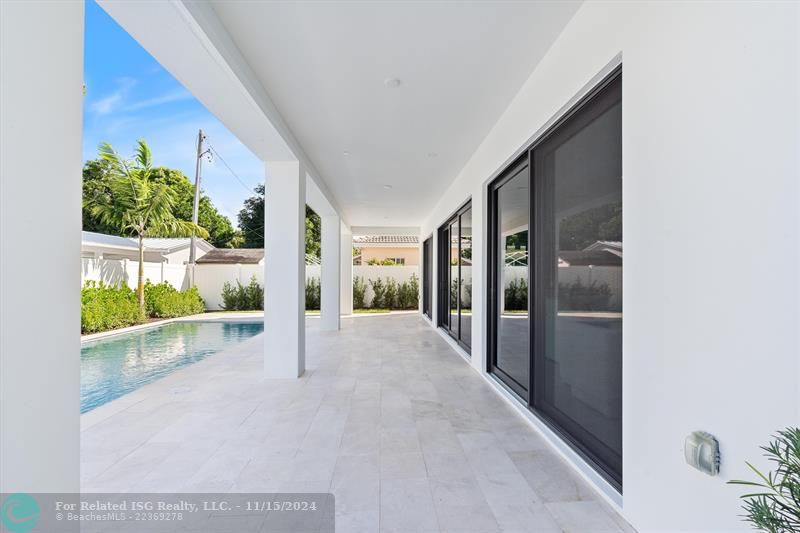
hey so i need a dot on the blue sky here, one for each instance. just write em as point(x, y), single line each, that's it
point(130, 96)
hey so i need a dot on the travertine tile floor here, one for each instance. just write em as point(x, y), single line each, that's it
point(387, 417)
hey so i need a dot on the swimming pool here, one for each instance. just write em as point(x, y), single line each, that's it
point(116, 365)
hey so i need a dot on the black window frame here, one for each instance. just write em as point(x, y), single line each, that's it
point(443, 312)
point(521, 164)
point(427, 275)
point(532, 397)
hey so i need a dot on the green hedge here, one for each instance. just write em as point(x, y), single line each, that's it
point(105, 307)
point(248, 297)
point(388, 294)
point(164, 301)
point(313, 294)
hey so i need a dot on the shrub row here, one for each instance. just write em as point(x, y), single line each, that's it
point(574, 296)
point(313, 294)
point(165, 301)
point(579, 297)
point(248, 297)
point(387, 295)
point(105, 307)
point(516, 295)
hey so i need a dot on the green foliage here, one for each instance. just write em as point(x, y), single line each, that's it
point(313, 233)
point(251, 220)
point(96, 181)
point(466, 295)
point(381, 262)
point(251, 224)
point(165, 301)
point(516, 295)
point(413, 290)
point(135, 203)
point(379, 292)
point(248, 297)
point(602, 223)
point(390, 294)
point(313, 294)
point(579, 297)
point(105, 307)
point(518, 241)
point(774, 504)
point(359, 293)
point(408, 294)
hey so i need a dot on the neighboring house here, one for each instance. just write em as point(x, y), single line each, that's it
point(156, 250)
point(403, 249)
point(233, 256)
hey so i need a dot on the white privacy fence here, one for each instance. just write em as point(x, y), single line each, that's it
point(124, 271)
point(398, 273)
point(210, 279)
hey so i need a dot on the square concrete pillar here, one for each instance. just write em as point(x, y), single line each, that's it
point(284, 270)
point(330, 281)
point(346, 271)
point(41, 81)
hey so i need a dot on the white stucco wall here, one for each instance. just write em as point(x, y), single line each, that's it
point(710, 161)
point(41, 79)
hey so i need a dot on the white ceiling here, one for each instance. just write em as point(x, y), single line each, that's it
point(324, 65)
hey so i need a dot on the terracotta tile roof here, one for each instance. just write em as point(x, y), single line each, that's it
point(386, 239)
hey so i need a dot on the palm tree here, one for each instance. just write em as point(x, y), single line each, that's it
point(136, 205)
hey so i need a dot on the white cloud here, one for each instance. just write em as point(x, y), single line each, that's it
point(172, 96)
point(109, 103)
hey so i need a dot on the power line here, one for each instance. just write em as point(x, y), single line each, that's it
point(234, 174)
point(241, 182)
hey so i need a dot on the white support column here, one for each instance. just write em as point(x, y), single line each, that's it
point(329, 278)
point(284, 270)
point(346, 272)
point(41, 81)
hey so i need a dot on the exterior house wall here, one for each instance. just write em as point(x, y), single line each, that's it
point(181, 256)
point(411, 255)
point(710, 144)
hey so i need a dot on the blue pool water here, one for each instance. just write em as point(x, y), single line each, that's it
point(117, 365)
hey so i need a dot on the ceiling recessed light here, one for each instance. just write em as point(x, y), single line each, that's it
point(432, 154)
point(393, 83)
point(345, 153)
point(387, 186)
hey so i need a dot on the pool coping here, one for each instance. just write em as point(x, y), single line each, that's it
point(219, 316)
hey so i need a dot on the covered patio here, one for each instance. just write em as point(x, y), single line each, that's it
point(388, 417)
point(508, 137)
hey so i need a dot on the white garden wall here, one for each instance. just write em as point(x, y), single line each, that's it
point(209, 280)
point(118, 271)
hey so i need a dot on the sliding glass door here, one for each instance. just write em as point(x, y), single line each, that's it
point(427, 275)
point(568, 365)
point(455, 276)
point(510, 216)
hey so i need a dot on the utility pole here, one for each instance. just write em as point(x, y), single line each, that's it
point(196, 206)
